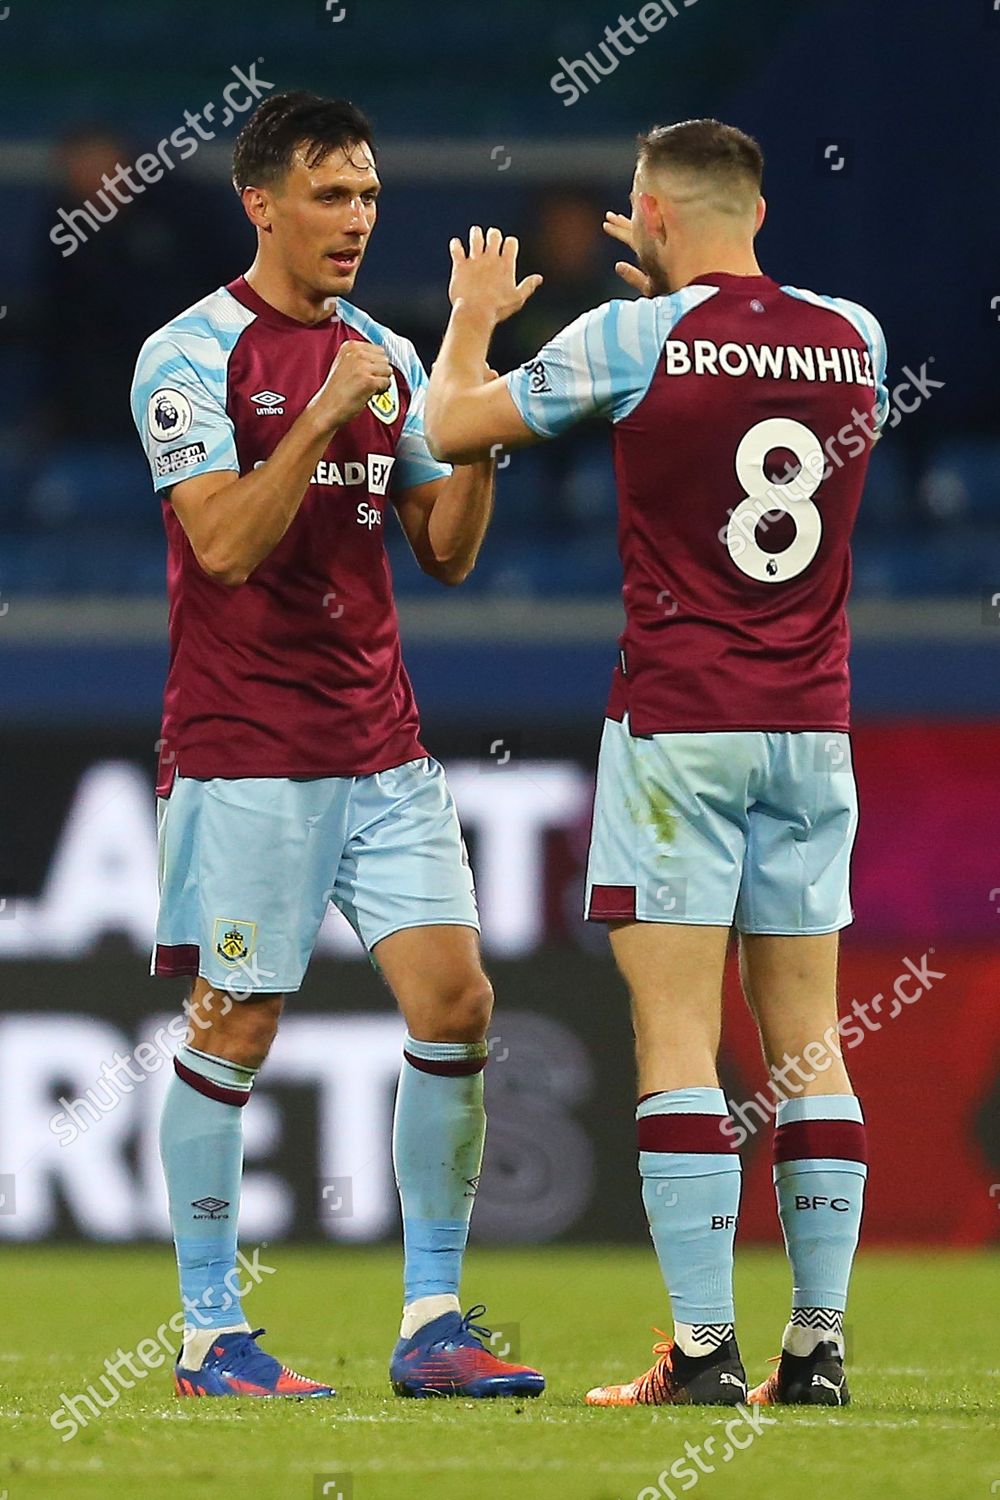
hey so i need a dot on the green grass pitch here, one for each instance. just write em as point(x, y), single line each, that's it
point(925, 1423)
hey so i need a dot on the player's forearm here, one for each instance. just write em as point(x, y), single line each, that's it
point(459, 519)
point(450, 421)
point(248, 518)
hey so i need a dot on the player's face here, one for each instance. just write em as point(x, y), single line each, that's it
point(322, 218)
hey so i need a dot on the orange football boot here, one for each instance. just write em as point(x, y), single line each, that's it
point(678, 1379)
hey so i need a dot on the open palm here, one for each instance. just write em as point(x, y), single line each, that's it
point(486, 276)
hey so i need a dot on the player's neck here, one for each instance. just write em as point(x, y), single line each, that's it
point(719, 260)
point(287, 296)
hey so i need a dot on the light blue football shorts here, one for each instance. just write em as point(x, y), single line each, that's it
point(714, 828)
point(248, 866)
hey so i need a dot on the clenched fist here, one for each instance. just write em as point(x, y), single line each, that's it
point(360, 371)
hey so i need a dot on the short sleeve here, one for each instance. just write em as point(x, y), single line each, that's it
point(880, 363)
point(601, 365)
point(415, 464)
point(178, 406)
point(871, 331)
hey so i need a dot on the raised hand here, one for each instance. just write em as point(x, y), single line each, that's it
point(486, 277)
point(619, 227)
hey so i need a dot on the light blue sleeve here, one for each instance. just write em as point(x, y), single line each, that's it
point(601, 365)
point(875, 339)
point(870, 330)
point(415, 464)
point(179, 406)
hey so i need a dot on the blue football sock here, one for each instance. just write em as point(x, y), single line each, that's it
point(819, 1178)
point(691, 1180)
point(201, 1146)
point(437, 1150)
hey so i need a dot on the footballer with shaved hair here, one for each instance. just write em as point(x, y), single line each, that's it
point(743, 413)
point(281, 422)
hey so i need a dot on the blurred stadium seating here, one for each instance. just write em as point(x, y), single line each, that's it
point(84, 523)
point(76, 513)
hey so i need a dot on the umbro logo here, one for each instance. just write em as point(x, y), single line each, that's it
point(212, 1208)
point(269, 403)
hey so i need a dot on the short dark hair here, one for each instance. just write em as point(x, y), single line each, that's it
point(704, 146)
point(283, 124)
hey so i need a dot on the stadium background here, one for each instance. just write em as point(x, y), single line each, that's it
point(881, 185)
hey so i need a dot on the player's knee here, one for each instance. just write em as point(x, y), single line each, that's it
point(464, 1010)
point(240, 1030)
point(256, 1028)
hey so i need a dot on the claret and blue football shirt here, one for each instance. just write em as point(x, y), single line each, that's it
point(298, 672)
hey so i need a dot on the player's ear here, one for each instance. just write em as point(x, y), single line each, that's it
point(257, 207)
point(652, 216)
point(761, 215)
